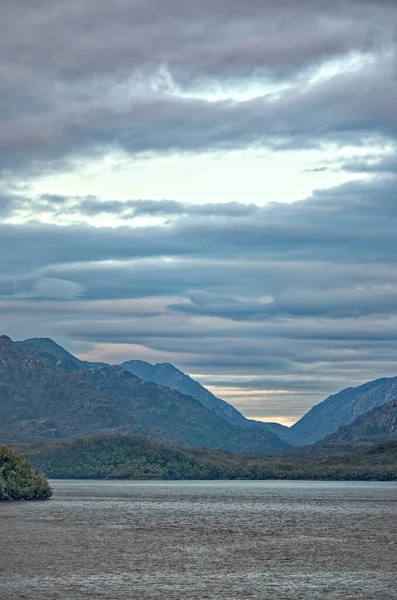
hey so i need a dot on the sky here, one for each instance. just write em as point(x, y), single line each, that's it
point(211, 184)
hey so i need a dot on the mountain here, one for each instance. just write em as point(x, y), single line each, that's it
point(322, 420)
point(40, 399)
point(341, 409)
point(53, 352)
point(169, 376)
point(163, 374)
point(183, 418)
point(376, 425)
point(281, 431)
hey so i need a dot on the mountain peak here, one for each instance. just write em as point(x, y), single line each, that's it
point(45, 343)
point(341, 409)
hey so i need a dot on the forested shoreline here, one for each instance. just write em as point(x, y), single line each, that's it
point(18, 481)
point(136, 457)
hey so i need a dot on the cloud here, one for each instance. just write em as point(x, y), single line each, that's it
point(57, 289)
point(299, 298)
point(82, 81)
point(351, 223)
point(75, 40)
point(331, 111)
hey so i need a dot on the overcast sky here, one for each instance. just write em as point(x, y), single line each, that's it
point(212, 184)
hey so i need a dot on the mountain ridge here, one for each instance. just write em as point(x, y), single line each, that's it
point(321, 421)
point(170, 376)
point(341, 409)
point(42, 399)
point(376, 425)
point(164, 374)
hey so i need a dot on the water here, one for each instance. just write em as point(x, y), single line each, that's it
point(202, 541)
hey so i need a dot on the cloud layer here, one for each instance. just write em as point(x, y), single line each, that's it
point(274, 306)
point(297, 297)
point(84, 79)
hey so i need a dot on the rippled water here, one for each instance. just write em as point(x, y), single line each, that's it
point(202, 541)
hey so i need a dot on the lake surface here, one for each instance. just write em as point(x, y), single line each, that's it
point(202, 541)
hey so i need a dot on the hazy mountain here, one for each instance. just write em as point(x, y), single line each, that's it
point(376, 425)
point(168, 375)
point(322, 420)
point(47, 348)
point(281, 431)
point(341, 409)
point(40, 399)
point(163, 374)
point(181, 417)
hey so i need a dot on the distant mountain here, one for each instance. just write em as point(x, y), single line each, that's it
point(163, 374)
point(321, 421)
point(40, 399)
point(281, 431)
point(341, 409)
point(50, 350)
point(376, 425)
point(183, 418)
point(169, 376)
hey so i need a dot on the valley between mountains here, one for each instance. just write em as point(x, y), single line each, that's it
point(48, 396)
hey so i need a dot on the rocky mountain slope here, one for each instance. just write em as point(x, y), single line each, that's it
point(341, 409)
point(376, 425)
point(55, 354)
point(163, 374)
point(168, 375)
point(321, 421)
point(182, 417)
point(40, 399)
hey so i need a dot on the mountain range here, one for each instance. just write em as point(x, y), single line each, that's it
point(376, 425)
point(46, 392)
point(163, 374)
point(40, 397)
point(341, 409)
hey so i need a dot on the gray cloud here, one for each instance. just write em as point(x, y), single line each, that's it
point(76, 40)
point(81, 79)
point(328, 111)
point(300, 297)
point(352, 223)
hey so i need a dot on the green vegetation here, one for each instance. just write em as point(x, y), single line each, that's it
point(135, 457)
point(116, 456)
point(18, 481)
